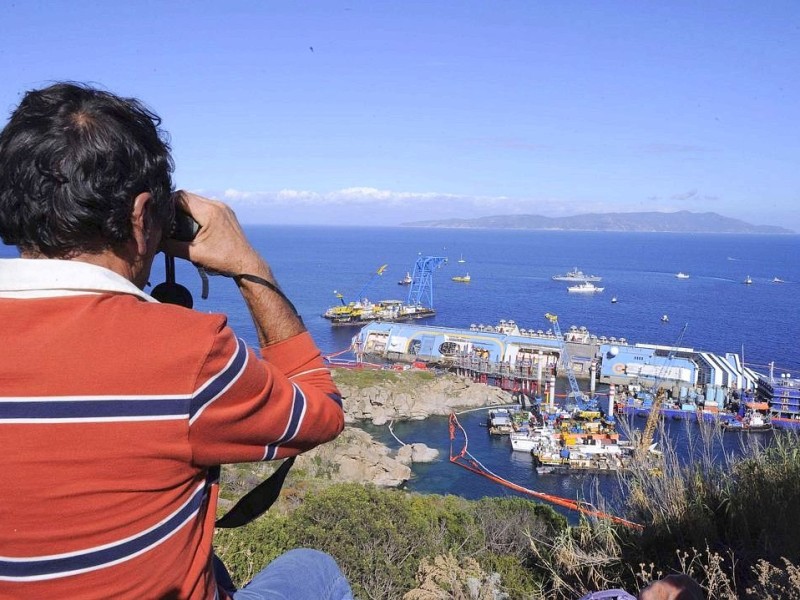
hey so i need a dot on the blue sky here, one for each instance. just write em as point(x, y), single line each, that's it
point(371, 112)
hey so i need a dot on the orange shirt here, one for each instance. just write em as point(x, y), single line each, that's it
point(112, 412)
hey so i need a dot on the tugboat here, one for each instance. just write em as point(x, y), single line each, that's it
point(406, 280)
point(752, 421)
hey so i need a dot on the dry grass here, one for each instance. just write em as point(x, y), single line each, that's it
point(730, 522)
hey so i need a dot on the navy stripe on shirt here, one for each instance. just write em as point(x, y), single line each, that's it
point(216, 386)
point(293, 427)
point(62, 565)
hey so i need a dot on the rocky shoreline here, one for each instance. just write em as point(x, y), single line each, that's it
point(410, 395)
point(378, 398)
point(413, 395)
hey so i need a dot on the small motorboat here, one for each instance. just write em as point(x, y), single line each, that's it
point(613, 300)
point(777, 280)
point(751, 422)
point(747, 280)
point(682, 275)
point(665, 318)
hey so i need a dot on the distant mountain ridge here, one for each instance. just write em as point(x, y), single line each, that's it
point(682, 221)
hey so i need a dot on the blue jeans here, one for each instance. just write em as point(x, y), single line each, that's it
point(300, 574)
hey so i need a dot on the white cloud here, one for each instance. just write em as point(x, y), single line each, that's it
point(685, 195)
point(351, 196)
point(373, 206)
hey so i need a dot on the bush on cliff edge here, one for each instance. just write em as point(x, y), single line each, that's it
point(379, 537)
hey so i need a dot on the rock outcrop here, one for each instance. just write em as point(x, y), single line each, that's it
point(356, 457)
point(416, 399)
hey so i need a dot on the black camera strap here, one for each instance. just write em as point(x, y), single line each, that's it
point(258, 500)
point(170, 291)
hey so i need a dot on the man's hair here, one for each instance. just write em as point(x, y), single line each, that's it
point(72, 160)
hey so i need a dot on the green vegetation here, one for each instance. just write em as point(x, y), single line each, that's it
point(380, 537)
point(733, 526)
point(364, 378)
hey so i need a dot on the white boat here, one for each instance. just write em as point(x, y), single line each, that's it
point(777, 280)
point(576, 275)
point(406, 280)
point(751, 421)
point(585, 288)
point(613, 300)
point(665, 318)
point(583, 452)
point(534, 438)
point(747, 280)
point(461, 259)
point(500, 422)
point(682, 275)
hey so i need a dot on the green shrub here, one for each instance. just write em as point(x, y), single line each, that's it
point(379, 537)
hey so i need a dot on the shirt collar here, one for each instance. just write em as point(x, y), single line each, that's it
point(48, 277)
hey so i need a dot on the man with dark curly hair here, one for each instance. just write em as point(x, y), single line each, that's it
point(116, 410)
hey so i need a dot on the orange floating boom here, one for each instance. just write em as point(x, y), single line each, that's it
point(465, 460)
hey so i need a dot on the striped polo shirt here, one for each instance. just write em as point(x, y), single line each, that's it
point(113, 410)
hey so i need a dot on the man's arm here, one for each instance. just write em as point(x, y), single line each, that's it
point(272, 408)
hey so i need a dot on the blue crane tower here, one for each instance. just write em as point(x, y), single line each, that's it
point(580, 398)
point(422, 280)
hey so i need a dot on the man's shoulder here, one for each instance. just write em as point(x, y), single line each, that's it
point(160, 318)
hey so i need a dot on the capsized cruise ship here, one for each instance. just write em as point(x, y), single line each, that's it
point(534, 354)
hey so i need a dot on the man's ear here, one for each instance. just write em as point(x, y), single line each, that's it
point(142, 222)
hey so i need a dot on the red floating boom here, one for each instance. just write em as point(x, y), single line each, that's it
point(466, 460)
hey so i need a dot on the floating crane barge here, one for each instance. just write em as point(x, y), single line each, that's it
point(419, 304)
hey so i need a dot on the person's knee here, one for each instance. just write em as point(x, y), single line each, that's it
point(313, 563)
point(314, 558)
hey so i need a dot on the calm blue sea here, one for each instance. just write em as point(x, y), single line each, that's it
point(511, 273)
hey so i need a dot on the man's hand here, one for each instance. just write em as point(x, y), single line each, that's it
point(220, 244)
point(673, 587)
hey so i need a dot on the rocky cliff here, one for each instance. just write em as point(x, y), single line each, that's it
point(412, 395)
point(355, 456)
point(379, 397)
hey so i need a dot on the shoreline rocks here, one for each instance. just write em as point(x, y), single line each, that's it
point(355, 456)
point(414, 397)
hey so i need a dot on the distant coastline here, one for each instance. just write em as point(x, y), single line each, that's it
point(643, 222)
